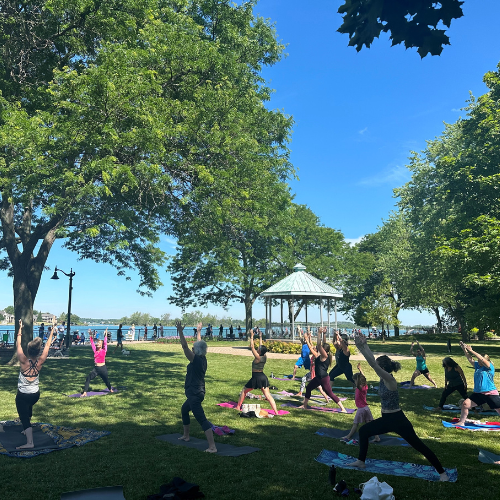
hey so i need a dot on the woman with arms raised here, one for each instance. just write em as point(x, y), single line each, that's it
point(100, 349)
point(194, 386)
point(28, 391)
point(393, 419)
point(259, 379)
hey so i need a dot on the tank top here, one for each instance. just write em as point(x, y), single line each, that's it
point(388, 399)
point(258, 366)
point(421, 363)
point(342, 359)
point(321, 367)
point(453, 377)
point(29, 386)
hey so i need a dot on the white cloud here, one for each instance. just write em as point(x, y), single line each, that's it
point(363, 131)
point(395, 175)
point(456, 110)
point(170, 241)
point(353, 241)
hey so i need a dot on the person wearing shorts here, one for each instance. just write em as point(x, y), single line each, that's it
point(421, 365)
point(305, 360)
point(485, 390)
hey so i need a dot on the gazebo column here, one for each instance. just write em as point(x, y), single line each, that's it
point(282, 318)
point(329, 332)
point(265, 303)
point(306, 314)
point(293, 322)
point(321, 311)
point(270, 317)
point(335, 307)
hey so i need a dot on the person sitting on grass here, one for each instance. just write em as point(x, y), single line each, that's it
point(421, 366)
point(322, 363)
point(363, 413)
point(393, 419)
point(194, 387)
point(484, 385)
point(454, 380)
point(312, 373)
point(259, 379)
point(28, 391)
point(304, 360)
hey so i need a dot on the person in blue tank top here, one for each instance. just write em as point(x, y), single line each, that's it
point(484, 385)
point(421, 366)
point(305, 353)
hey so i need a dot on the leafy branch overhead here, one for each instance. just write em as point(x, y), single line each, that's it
point(412, 22)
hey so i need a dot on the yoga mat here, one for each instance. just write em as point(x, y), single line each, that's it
point(223, 449)
point(315, 408)
point(487, 457)
point(406, 385)
point(232, 404)
point(103, 392)
point(472, 427)
point(11, 437)
point(291, 395)
point(285, 379)
point(388, 467)
point(106, 493)
point(385, 439)
point(455, 409)
point(62, 438)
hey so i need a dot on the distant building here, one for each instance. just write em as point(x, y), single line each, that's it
point(8, 318)
point(48, 317)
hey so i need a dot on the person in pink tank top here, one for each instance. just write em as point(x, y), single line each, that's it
point(363, 413)
point(100, 349)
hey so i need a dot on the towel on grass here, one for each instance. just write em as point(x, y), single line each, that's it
point(389, 467)
point(46, 437)
point(473, 425)
point(232, 404)
point(487, 457)
point(385, 439)
point(223, 449)
point(316, 408)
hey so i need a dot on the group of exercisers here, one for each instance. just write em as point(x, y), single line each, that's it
point(318, 359)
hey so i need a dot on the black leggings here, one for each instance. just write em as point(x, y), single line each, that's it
point(102, 371)
point(193, 403)
point(398, 423)
point(24, 405)
point(450, 390)
point(339, 370)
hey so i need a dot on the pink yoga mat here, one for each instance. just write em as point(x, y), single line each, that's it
point(232, 404)
point(319, 408)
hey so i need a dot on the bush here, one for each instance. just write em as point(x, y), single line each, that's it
point(490, 335)
point(291, 347)
point(174, 340)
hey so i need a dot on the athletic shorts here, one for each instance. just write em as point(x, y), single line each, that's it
point(304, 362)
point(423, 372)
point(492, 401)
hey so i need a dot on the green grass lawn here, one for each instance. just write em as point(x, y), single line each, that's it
point(284, 468)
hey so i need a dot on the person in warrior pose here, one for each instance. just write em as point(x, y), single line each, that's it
point(305, 353)
point(393, 419)
point(322, 362)
point(259, 380)
point(343, 364)
point(421, 366)
point(454, 380)
point(28, 391)
point(194, 387)
point(484, 385)
point(100, 349)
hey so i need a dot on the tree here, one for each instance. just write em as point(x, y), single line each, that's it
point(9, 309)
point(113, 116)
point(412, 22)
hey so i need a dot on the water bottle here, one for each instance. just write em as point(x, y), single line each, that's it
point(272, 375)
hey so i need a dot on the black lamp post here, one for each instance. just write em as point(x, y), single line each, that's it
point(70, 275)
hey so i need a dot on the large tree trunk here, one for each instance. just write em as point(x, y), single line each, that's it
point(438, 319)
point(396, 330)
point(248, 313)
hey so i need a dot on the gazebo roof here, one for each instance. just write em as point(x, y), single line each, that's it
point(301, 285)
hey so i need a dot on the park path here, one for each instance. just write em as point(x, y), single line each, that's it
point(245, 351)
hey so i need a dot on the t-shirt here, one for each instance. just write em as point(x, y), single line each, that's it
point(119, 334)
point(41, 331)
point(484, 378)
point(360, 397)
point(306, 352)
point(453, 378)
point(195, 376)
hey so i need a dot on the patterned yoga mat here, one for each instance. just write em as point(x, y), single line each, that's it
point(232, 404)
point(471, 425)
point(389, 467)
point(46, 437)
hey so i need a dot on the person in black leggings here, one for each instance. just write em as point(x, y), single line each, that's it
point(454, 381)
point(393, 419)
point(343, 365)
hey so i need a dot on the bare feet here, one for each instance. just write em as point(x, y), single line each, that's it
point(375, 440)
point(304, 407)
point(183, 438)
point(460, 423)
point(211, 450)
point(238, 407)
point(83, 394)
point(444, 477)
point(299, 394)
point(112, 390)
point(25, 446)
point(358, 463)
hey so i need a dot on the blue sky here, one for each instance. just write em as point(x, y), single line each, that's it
point(357, 117)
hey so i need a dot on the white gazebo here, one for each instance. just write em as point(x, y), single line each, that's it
point(300, 286)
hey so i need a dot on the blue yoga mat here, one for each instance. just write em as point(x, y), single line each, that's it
point(389, 467)
point(472, 427)
point(487, 457)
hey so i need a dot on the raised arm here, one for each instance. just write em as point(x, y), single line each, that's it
point(105, 344)
point(307, 338)
point(421, 348)
point(466, 352)
point(321, 339)
point(252, 346)
point(362, 345)
point(19, 348)
point(198, 331)
point(46, 349)
point(411, 349)
point(484, 361)
point(187, 351)
point(360, 370)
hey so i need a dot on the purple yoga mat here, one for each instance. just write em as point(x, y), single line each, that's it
point(104, 392)
point(319, 408)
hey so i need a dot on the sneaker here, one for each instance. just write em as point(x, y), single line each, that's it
point(345, 440)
